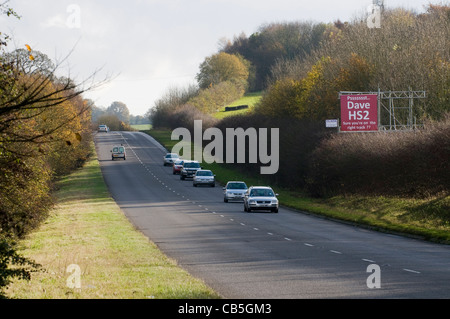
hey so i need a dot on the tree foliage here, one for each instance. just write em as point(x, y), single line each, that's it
point(222, 67)
point(409, 51)
point(44, 133)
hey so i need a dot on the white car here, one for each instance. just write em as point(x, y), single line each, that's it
point(234, 190)
point(103, 128)
point(260, 198)
point(169, 158)
point(204, 177)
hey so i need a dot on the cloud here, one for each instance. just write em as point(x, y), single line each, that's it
point(57, 21)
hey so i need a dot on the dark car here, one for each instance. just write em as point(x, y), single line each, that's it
point(189, 169)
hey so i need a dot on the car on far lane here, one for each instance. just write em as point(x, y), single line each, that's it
point(169, 158)
point(260, 198)
point(118, 151)
point(234, 190)
point(103, 128)
point(177, 166)
point(204, 177)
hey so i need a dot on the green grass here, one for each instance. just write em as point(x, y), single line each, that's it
point(88, 229)
point(141, 127)
point(250, 99)
point(425, 218)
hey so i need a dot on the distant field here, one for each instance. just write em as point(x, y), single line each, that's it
point(250, 99)
point(142, 127)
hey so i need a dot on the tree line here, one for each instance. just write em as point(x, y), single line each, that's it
point(45, 133)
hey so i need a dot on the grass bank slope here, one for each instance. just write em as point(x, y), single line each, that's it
point(87, 229)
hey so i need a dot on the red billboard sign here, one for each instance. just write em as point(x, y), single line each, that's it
point(359, 113)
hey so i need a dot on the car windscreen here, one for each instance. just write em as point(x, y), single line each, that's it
point(261, 192)
point(204, 173)
point(191, 165)
point(236, 186)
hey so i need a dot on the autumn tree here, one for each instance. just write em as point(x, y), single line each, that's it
point(222, 67)
point(44, 131)
point(120, 110)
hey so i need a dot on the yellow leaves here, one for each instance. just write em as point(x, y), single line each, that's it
point(31, 57)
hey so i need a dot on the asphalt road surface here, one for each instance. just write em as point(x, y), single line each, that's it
point(288, 255)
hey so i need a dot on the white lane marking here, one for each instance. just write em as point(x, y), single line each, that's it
point(336, 252)
point(369, 260)
point(309, 245)
point(288, 239)
point(410, 270)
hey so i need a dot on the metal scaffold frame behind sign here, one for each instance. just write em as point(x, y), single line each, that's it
point(395, 109)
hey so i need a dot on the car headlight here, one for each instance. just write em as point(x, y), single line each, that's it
point(252, 202)
point(274, 201)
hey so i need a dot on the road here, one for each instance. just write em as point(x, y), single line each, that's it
point(288, 255)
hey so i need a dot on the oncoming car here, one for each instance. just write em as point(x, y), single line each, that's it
point(260, 198)
point(189, 169)
point(234, 190)
point(204, 177)
point(177, 166)
point(169, 158)
point(118, 151)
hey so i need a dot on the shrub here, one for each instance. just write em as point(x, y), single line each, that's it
point(408, 163)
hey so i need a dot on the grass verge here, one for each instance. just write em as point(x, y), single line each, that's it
point(88, 229)
point(423, 218)
point(250, 99)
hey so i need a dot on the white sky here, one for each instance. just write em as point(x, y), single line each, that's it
point(151, 45)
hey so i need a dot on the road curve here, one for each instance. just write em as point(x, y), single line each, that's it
point(288, 255)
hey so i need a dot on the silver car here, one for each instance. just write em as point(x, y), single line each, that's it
point(260, 198)
point(204, 177)
point(170, 158)
point(234, 190)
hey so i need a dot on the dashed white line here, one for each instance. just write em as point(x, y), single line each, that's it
point(309, 245)
point(410, 270)
point(336, 252)
point(368, 260)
